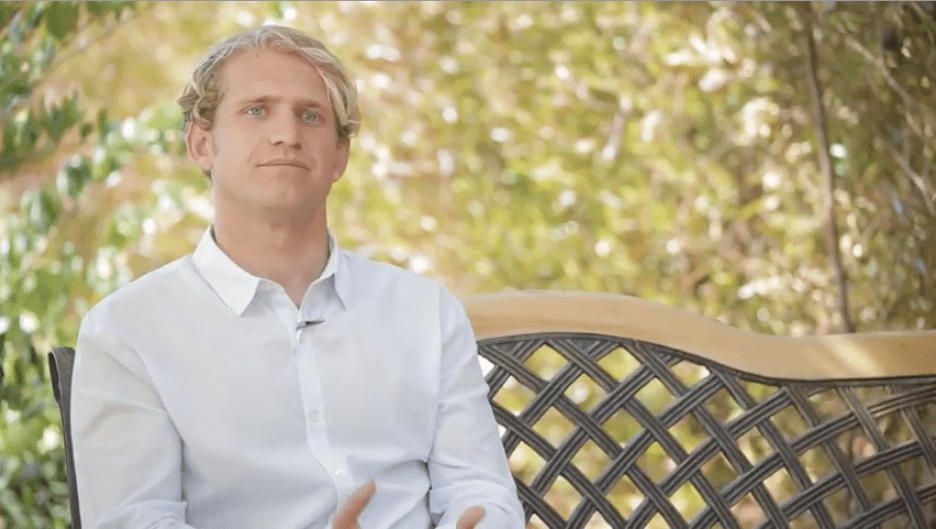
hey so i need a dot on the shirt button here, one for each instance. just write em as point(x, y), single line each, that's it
point(340, 472)
point(313, 416)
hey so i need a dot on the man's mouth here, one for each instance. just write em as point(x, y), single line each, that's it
point(281, 162)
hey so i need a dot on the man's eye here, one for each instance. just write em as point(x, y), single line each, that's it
point(254, 111)
point(311, 116)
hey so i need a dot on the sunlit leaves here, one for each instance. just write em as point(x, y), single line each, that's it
point(61, 18)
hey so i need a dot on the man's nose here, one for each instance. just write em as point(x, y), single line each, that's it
point(285, 131)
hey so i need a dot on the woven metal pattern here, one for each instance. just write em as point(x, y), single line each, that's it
point(604, 431)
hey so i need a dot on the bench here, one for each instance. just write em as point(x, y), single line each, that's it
point(622, 413)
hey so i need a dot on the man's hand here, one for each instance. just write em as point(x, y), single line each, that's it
point(346, 517)
point(470, 518)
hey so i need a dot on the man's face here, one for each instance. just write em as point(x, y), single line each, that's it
point(273, 148)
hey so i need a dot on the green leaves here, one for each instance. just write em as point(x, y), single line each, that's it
point(34, 127)
point(34, 134)
point(39, 271)
point(41, 209)
point(56, 120)
point(61, 19)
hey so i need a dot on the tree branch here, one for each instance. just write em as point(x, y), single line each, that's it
point(915, 177)
point(908, 100)
point(825, 164)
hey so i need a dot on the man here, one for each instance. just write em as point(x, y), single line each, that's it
point(271, 380)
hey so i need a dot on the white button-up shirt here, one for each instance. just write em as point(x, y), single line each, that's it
point(204, 398)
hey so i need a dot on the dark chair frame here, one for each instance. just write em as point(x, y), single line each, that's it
point(61, 362)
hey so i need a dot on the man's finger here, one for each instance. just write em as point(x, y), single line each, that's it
point(470, 518)
point(347, 515)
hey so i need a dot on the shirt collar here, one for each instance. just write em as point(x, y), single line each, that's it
point(237, 287)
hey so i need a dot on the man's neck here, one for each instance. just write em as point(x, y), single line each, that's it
point(290, 254)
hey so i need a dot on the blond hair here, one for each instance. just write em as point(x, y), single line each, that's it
point(202, 93)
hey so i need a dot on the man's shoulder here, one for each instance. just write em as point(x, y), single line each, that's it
point(401, 293)
point(152, 288)
point(377, 275)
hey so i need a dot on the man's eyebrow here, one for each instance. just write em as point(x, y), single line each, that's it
point(305, 103)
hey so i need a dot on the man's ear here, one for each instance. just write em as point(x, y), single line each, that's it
point(341, 158)
point(199, 142)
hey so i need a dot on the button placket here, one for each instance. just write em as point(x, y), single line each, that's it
point(342, 478)
point(332, 461)
point(310, 384)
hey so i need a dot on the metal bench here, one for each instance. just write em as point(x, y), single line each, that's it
point(622, 413)
point(617, 412)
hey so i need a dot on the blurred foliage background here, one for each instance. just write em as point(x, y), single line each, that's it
point(767, 165)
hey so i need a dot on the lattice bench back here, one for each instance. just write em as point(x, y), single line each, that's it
point(608, 431)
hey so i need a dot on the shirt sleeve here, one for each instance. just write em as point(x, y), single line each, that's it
point(467, 464)
point(127, 452)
